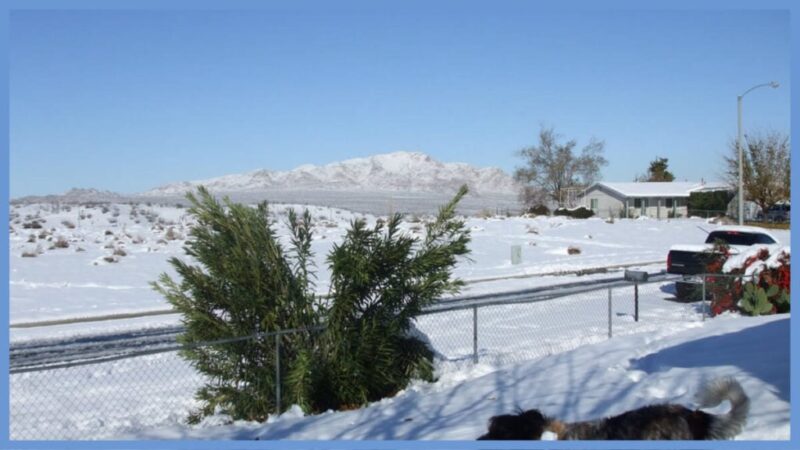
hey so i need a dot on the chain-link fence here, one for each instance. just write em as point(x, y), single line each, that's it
point(123, 397)
point(498, 333)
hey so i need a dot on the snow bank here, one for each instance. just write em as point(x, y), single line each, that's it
point(589, 382)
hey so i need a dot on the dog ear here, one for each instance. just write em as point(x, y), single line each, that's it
point(536, 423)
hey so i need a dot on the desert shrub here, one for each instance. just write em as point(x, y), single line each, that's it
point(68, 224)
point(120, 252)
point(111, 259)
point(33, 253)
point(573, 251)
point(246, 282)
point(539, 210)
point(484, 213)
point(35, 224)
point(172, 235)
point(61, 243)
point(32, 238)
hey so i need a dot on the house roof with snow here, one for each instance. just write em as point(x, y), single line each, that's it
point(658, 189)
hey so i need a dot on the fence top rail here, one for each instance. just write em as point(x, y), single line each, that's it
point(164, 349)
point(533, 296)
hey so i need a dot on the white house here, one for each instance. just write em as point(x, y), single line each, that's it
point(659, 200)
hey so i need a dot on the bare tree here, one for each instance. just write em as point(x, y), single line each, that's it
point(552, 169)
point(766, 168)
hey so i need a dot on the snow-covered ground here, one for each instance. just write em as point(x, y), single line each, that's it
point(87, 278)
point(553, 355)
point(589, 382)
point(664, 358)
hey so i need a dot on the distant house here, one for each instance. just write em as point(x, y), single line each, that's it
point(658, 200)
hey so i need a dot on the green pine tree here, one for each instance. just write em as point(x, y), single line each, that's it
point(381, 279)
point(244, 283)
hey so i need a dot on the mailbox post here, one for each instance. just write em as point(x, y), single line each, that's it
point(636, 276)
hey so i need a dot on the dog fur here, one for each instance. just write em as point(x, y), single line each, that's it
point(660, 422)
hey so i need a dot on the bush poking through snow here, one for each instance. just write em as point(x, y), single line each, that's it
point(68, 224)
point(764, 285)
point(381, 279)
point(580, 212)
point(172, 235)
point(539, 210)
point(573, 251)
point(61, 243)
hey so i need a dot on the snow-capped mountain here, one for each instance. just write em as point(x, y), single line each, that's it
point(399, 171)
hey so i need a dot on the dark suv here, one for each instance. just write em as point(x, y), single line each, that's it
point(778, 213)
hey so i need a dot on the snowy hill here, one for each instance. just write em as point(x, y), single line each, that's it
point(394, 172)
point(74, 195)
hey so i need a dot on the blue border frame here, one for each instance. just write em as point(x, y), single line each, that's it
point(252, 4)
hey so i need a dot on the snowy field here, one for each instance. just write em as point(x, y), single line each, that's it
point(552, 355)
point(94, 261)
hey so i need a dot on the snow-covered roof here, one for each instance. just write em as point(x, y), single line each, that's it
point(660, 188)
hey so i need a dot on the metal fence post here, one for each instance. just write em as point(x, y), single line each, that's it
point(475, 334)
point(277, 373)
point(704, 298)
point(609, 313)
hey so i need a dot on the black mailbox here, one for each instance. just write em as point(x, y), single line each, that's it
point(635, 275)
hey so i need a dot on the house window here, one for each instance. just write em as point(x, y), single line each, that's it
point(593, 204)
point(637, 203)
point(669, 203)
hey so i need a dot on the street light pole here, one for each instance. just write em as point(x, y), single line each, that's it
point(741, 164)
point(774, 85)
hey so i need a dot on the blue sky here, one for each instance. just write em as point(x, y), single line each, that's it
point(126, 100)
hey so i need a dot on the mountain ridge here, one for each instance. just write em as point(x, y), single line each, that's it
point(392, 172)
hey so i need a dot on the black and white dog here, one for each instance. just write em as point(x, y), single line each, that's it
point(664, 421)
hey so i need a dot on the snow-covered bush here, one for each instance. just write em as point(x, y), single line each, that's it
point(539, 210)
point(580, 212)
point(247, 283)
point(757, 280)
